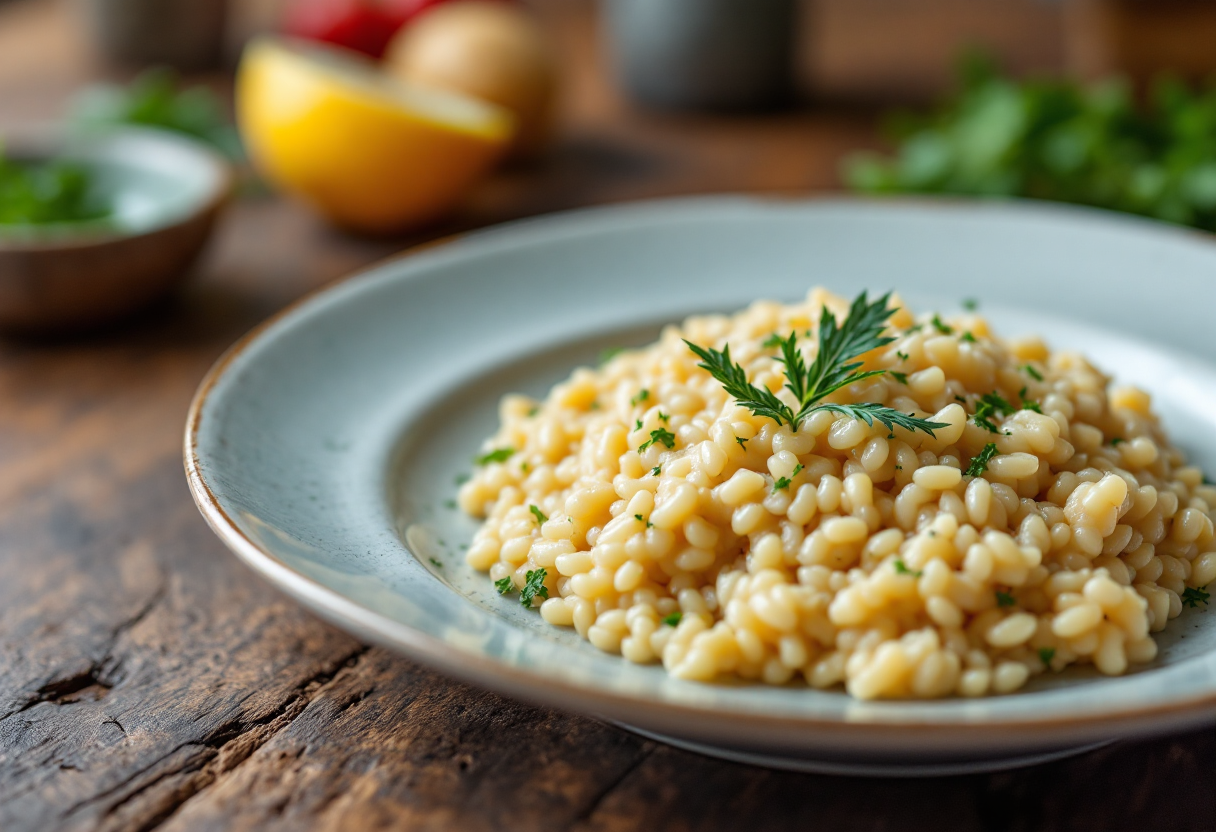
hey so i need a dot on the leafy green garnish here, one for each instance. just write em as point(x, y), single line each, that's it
point(1032, 372)
point(1099, 145)
point(673, 620)
point(1046, 654)
point(941, 326)
point(39, 193)
point(1028, 404)
point(834, 367)
point(1193, 597)
point(742, 442)
point(989, 405)
point(1004, 599)
point(155, 99)
point(979, 462)
point(499, 455)
point(901, 568)
point(642, 396)
point(504, 585)
point(968, 337)
point(534, 586)
point(662, 435)
point(781, 484)
point(902, 378)
point(656, 470)
point(1114, 442)
point(541, 517)
point(772, 342)
point(435, 563)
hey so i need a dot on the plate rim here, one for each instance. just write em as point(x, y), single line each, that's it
point(476, 668)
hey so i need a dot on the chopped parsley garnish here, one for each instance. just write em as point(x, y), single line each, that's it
point(989, 405)
point(1028, 404)
point(656, 470)
point(637, 425)
point(435, 563)
point(1193, 597)
point(662, 435)
point(541, 517)
point(642, 396)
point(664, 418)
point(968, 337)
point(673, 620)
point(979, 462)
point(903, 356)
point(642, 519)
point(610, 353)
point(901, 568)
point(899, 467)
point(835, 366)
point(902, 378)
point(1004, 599)
point(742, 442)
point(1033, 373)
point(499, 455)
point(504, 585)
point(941, 326)
point(958, 398)
point(534, 587)
point(1116, 440)
point(1046, 654)
point(971, 304)
point(772, 341)
point(781, 484)
point(797, 470)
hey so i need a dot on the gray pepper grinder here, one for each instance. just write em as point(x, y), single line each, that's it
point(703, 54)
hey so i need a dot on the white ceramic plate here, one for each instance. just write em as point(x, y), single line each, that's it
point(324, 447)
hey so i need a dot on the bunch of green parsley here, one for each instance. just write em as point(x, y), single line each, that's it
point(39, 193)
point(1059, 140)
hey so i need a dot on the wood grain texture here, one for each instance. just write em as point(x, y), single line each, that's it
point(149, 681)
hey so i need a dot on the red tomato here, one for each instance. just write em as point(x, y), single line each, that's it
point(363, 25)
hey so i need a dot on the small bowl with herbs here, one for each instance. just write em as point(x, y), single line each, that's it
point(97, 226)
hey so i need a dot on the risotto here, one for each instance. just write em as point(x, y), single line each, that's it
point(1006, 511)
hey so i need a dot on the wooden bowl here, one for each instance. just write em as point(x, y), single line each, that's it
point(166, 191)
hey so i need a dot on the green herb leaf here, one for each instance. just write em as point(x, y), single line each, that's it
point(742, 442)
point(989, 405)
point(1116, 440)
point(979, 462)
point(541, 517)
point(772, 342)
point(1046, 654)
point(835, 366)
point(901, 568)
point(642, 396)
point(500, 455)
point(941, 326)
point(968, 337)
point(1032, 372)
point(504, 585)
point(1004, 599)
point(1027, 404)
point(1193, 597)
point(673, 620)
point(534, 587)
point(662, 435)
point(903, 356)
point(435, 563)
point(902, 378)
point(781, 484)
point(656, 470)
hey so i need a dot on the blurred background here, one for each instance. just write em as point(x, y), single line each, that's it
point(369, 125)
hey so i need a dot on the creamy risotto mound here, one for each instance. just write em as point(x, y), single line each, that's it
point(1047, 521)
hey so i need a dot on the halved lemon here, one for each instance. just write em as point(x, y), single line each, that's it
point(370, 153)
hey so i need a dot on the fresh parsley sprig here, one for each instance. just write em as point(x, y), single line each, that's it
point(835, 366)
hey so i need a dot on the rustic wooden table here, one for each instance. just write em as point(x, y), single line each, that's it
point(149, 681)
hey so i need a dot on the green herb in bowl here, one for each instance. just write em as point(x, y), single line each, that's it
point(51, 192)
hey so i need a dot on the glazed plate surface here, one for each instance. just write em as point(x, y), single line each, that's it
point(324, 448)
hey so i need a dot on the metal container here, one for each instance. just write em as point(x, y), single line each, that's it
point(703, 54)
